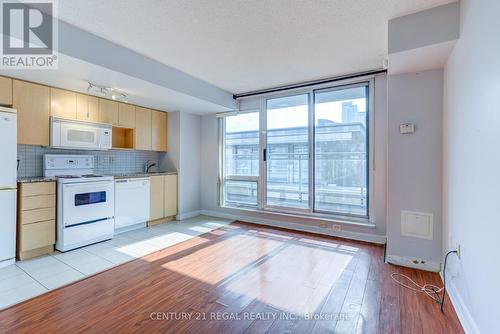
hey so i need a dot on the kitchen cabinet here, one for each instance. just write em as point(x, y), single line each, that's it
point(159, 124)
point(170, 195)
point(142, 136)
point(62, 103)
point(163, 197)
point(5, 91)
point(36, 225)
point(32, 104)
point(108, 111)
point(87, 108)
point(135, 127)
point(156, 198)
point(126, 115)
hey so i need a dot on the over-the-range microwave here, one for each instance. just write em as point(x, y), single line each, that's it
point(74, 134)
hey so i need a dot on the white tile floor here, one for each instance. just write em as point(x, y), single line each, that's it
point(30, 278)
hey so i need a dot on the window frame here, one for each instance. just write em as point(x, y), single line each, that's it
point(261, 206)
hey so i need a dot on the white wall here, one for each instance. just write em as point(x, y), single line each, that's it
point(209, 199)
point(415, 160)
point(190, 164)
point(184, 144)
point(472, 165)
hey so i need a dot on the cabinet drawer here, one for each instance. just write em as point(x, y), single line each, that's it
point(37, 215)
point(37, 202)
point(37, 235)
point(38, 188)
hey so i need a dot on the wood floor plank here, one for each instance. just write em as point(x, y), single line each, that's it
point(242, 278)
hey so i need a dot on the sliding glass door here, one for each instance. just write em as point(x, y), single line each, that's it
point(341, 150)
point(287, 152)
point(305, 153)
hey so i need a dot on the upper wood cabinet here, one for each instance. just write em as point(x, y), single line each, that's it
point(108, 111)
point(142, 129)
point(62, 103)
point(32, 104)
point(159, 123)
point(126, 115)
point(5, 91)
point(87, 108)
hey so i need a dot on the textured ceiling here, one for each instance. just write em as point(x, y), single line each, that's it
point(247, 45)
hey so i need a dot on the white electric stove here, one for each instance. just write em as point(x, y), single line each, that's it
point(85, 202)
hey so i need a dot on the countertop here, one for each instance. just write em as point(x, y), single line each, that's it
point(34, 179)
point(134, 175)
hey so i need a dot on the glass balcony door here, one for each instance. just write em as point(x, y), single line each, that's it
point(287, 153)
point(341, 150)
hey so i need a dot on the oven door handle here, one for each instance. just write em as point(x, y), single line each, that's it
point(89, 222)
point(93, 184)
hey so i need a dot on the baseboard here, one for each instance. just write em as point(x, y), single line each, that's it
point(422, 264)
point(188, 215)
point(6, 263)
point(463, 313)
point(130, 228)
point(373, 238)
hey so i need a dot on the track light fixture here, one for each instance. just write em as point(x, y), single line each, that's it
point(106, 92)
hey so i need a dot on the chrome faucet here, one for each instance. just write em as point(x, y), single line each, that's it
point(147, 166)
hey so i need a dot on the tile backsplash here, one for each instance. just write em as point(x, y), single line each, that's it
point(107, 162)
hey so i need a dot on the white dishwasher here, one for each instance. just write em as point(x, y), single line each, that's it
point(131, 203)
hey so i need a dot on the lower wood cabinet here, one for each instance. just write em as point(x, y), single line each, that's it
point(163, 197)
point(156, 198)
point(36, 219)
point(170, 195)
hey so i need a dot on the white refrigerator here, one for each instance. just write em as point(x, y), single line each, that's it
point(8, 185)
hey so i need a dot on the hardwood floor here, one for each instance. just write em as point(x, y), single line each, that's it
point(242, 278)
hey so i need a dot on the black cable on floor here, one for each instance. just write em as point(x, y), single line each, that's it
point(444, 278)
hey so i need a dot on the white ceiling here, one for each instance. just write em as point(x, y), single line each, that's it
point(242, 45)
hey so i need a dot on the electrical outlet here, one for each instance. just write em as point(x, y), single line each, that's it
point(458, 248)
point(336, 228)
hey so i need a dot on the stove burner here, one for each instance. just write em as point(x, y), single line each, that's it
point(91, 175)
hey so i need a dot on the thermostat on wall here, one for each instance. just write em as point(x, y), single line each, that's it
point(407, 128)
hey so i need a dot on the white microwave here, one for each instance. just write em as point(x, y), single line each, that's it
point(73, 134)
